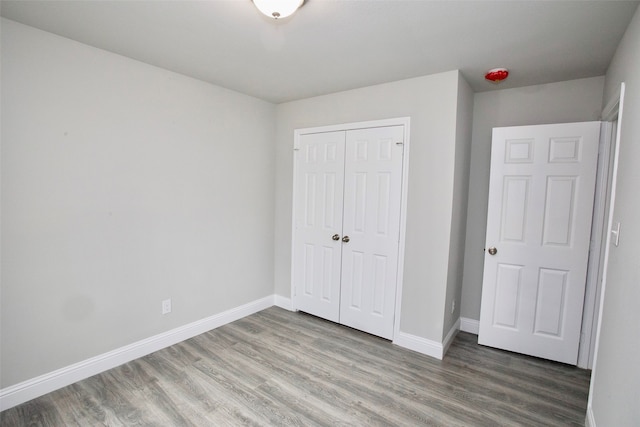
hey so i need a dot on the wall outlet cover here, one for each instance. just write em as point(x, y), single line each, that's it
point(166, 306)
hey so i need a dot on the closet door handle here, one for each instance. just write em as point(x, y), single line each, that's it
point(335, 237)
point(345, 239)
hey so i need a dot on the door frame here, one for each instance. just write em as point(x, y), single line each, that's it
point(398, 121)
point(602, 220)
point(596, 248)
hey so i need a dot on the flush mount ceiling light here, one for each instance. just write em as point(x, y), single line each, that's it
point(497, 75)
point(278, 8)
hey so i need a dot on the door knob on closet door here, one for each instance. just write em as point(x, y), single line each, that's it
point(345, 239)
point(492, 251)
point(335, 237)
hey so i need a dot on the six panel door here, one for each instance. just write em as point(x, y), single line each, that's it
point(372, 194)
point(541, 194)
point(317, 257)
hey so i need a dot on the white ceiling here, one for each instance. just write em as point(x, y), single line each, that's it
point(333, 45)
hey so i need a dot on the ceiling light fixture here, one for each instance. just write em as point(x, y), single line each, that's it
point(497, 75)
point(277, 9)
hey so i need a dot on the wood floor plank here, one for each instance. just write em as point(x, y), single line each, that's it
point(292, 369)
point(38, 412)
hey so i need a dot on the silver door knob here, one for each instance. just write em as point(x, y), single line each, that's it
point(492, 250)
point(345, 239)
point(335, 237)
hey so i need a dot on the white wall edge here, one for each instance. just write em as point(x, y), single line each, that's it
point(419, 344)
point(283, 302)
point(590, 420)
point(469, 325)
point(43, 384)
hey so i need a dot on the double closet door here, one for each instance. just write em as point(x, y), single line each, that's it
point(347, 200)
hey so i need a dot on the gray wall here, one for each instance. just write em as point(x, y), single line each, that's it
point(460, 205)
point(563, 102)
point(616, 375)
point(122, 185)
point(432, 104)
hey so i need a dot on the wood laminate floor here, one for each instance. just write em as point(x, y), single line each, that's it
point(278, 368)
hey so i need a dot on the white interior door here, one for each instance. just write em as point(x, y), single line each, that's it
point(372, 196)
point(317, 254)
point(541, 194)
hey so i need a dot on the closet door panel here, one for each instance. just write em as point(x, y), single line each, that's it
point(318, 218)
point(371, 224)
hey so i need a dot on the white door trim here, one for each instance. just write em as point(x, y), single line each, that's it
point(403, 121)
point(596, 249)
point(614, 108)
point(600, 229)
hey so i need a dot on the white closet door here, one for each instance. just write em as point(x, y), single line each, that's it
point(318, 218)
point(371, 224)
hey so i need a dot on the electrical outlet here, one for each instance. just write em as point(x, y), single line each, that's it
point(453, 306)
point(166, 306)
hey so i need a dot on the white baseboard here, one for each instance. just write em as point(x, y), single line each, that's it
point(469, 325)
point(590, 420)
point(450, 336)
point(425, 346)
point(283, 302)
point(35, 387)
point(419, 344)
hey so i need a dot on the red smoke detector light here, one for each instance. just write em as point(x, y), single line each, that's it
point(497, 75)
